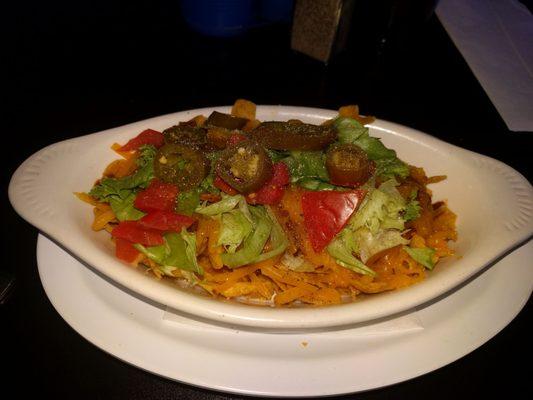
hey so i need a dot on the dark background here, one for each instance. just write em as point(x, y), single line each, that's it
point(79, 67)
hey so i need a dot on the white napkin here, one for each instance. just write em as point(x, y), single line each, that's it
point(496, 39)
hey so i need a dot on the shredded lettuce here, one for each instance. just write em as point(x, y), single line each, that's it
point(379, 211)
point(188, 201)
point(388, 164)
point(253, 245)
point(277, 155)
point(154, 253)
point(235, 227)
point(297, 263)
point(343, 253)
point(278, 240)
point(349, 129)
point(390, 167)
point(245, 230)
point(423, 256)
point(121, 187)
point(307, 164)
point(120, 192)
point(124, 209)
point(316, 184)
point(227, 204)
point(368, 244)
point(208, 186)
point(412, 209)
point(376, 226)
point(178, 251)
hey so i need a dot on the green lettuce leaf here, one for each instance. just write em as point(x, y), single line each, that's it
point(277, 155)
point(388, 164)
point(412, 209)
point(423, 256)
point(155, 253)
point(278, 240)
point(343, 253)
point(349, 129)
point(253, 245)
point(307, 164)
point(227, 204)
point(207, 185)
point(120, 192)
point(235, 228)
point(188, 201)
point(376, 226)
point(178, 252)
point(124, 209)
point(367, 244)
point(390, 167)
point(379, 211)
point(316, 184)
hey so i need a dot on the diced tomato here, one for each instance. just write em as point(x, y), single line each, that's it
point(148, 136)
point(134, 232)
point(166, 221)
point(125, 251)
point(157, 196)
point(222, 185)
point(236, 138)
point(326, 212)
point(272, 191)
point(281, 175)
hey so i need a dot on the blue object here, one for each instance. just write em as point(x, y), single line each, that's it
point(276, 10)
point(218, 17)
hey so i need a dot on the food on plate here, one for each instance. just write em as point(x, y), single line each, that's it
point(279, 213)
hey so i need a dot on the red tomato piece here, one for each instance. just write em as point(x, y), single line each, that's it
point(148, 136)
point(272, 191)
point(166, 221)
point(281, 175)
point(134, 232)
point(222, 185)
point(235, 138)
point(326, 213)
point(125, 251)
point(157, 196)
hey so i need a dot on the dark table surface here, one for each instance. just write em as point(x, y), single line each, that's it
point(75, 69)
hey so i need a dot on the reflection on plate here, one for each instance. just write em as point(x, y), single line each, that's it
point(328, 362)
point(494, 204)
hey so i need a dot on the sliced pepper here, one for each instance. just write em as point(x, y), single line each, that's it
point(226, 121)
point(244, 166)
point(348, 165)
point(181, 165)
point(293, 135)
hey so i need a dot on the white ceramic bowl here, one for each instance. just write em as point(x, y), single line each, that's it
point(494, 204)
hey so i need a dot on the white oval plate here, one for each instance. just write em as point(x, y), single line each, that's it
point(298, 364)
point(494, 204)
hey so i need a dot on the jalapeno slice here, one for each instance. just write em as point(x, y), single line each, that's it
point(181, 165)
point(227, 121)
point(218, 137)
point(186, 134)
point(293, 135)
point(245, 166)
point(348, 165)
